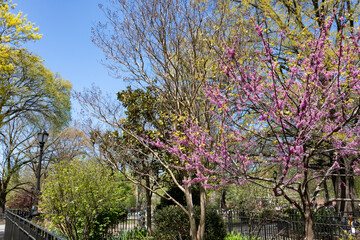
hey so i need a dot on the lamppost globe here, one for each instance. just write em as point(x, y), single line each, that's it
point(42, 137)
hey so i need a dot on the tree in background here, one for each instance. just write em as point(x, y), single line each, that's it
point(119, 149)
point(29, 94)
point(132, 159)
point(17, 140)
point(172, 46)
point(26, 86)
point(296, 114)
point(83, 199)
point(68, 144)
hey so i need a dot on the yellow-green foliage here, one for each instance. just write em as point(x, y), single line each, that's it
point(299, 18)
point(76, 193)
point(31, 87)
point(26, 85)
point(15, 30)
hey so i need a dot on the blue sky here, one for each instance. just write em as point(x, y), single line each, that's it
point(66, 46)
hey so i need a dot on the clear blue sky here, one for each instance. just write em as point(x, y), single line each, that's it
point(66, 46)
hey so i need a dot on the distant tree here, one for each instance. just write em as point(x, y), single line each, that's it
point(23, 199)
point(172, 46)
point(26, 86)
point(69, 144)
point(29, 94)
point(82, 198)
point(122, 151)
point(65, 145)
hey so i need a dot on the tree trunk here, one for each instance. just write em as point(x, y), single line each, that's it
point(203, 203)
point(326, 192)
point(223, 199)
point(351, 192)
point(309, 231)
point(307, 209)
point(191, 214)
point(2, 203)
point(344, 187)
point(148, 205)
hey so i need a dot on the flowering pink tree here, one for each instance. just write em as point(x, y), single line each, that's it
point(272, 118)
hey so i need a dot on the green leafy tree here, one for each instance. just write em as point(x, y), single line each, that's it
point(83, 198)
point(172, 46)
point(128, 155)
point(26, 85)
point(29, 94)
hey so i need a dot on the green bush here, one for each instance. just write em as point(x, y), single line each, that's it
point(179, 196)
point(268, 214)
point(172, 223)
point(238, 236)
point(136, 234)
point(105, 220)
point(82, 198)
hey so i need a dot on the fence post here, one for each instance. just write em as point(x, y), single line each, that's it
point(230, 225)
point(265, 229)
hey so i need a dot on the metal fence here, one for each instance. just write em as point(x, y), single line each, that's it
point(132, 221)
point(281, 226)
point(288, 226)
point(17, 227)
point(275, 227)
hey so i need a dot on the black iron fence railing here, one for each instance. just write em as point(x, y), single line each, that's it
point(278, 226)
point(133, 220)
point(291, 226)
point(17, 227)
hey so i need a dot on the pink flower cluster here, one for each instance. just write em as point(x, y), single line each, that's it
point(270, 115)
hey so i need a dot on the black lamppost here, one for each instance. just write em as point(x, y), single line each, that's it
point(42, 138)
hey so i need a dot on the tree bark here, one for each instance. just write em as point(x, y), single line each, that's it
point(309, 231)
point(326, 192)
point(344, 187)
point(3, 193)
point(223, 199)
point(148, 205)
point(203, 203)
point(2, 203)
point(307, 210)
point(190, 208)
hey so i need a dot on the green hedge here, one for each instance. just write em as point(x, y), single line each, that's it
point(172, 223)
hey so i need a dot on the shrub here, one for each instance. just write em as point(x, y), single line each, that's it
point(104, 220)
point(268, 213)
point(136, 234)
point(172, 223)
point(238, 236)
point(179, 196)
point(83, 199)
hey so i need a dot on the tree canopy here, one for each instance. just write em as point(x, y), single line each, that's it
point(26, 86)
